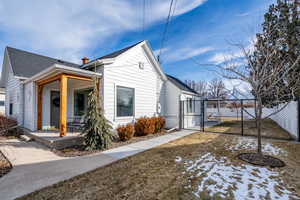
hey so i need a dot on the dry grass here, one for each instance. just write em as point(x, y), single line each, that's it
point(270, 129)
point(155, 174)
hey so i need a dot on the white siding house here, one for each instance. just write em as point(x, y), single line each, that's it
point(132, 85)
point(176, 92)
point(132, 69)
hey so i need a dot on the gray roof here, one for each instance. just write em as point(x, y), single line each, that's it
point(181, 85)
point(116, 53)
point(26, 64)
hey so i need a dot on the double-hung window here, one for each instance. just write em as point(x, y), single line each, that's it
point(125, 101)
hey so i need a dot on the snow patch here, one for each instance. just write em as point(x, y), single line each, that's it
point(178, 159)
point(251, 144)
point(218, 176)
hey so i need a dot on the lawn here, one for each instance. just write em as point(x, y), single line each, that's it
point(202, 165)
point(270, 129)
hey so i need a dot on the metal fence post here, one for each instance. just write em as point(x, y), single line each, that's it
point(298, 104)
point(203, 111)
point(242, 117)
point(180, 115)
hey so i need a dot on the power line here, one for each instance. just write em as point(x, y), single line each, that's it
point(144, 16)
point(165, 29)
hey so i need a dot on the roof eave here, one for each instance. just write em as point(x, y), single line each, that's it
point(99, 62)
point(149, 50)
point(188, 92)
point(61, 69)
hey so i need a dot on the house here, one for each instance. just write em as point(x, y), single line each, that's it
point(2, 101)
point(183, 109)
point(44, 93)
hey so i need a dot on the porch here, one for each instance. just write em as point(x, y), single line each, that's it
point(62, 97)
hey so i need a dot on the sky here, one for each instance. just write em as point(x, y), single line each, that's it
point(200, 30)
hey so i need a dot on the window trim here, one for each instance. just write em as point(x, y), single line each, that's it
point(116, 102)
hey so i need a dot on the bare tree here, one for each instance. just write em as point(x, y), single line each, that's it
point(264, 73)
point(217, 89)
point(200, 87)
point(272, 66)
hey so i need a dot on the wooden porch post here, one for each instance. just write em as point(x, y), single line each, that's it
point(40, 106)
point(63, 104)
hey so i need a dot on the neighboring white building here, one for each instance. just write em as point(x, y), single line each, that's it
point(132, 85)
point(178, 93)
point(2, 101)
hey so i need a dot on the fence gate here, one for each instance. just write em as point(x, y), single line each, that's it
point(221, 116)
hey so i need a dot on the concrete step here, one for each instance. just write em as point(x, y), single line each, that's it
point(25, 138)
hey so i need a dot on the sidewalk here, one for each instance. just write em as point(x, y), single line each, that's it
point(35, 167)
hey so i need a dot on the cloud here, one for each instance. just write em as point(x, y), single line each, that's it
point(68, 28)
point(241, 89)
point(219, 58)
point(243, 14)
point(161, 7)
point(156, 52)
point(184, 53)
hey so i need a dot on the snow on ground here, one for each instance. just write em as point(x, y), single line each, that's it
point(251, 144)
point(216, 176)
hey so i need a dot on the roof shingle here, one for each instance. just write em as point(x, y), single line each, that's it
point(26, 64)
point(180, 84)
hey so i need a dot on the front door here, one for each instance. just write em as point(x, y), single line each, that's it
point(55, 105)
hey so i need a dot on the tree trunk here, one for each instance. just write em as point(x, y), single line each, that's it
point(258, 120)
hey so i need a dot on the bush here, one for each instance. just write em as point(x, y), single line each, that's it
point(7, 125)
point(126, 132)
point(144, 126)
point(160, 123)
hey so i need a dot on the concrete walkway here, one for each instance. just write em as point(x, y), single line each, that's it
point(35, 167)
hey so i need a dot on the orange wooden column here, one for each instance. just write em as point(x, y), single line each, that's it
point(40, 107)
point(63, 104)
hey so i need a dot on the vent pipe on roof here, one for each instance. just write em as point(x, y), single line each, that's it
point(85, 60)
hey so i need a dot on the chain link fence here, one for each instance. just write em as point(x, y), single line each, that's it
point(237, 117)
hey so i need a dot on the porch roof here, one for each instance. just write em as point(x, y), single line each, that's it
point(58, 69)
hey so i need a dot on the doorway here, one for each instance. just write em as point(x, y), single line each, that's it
point(55, 109)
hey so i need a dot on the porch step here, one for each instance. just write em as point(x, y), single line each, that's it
point(52, 139)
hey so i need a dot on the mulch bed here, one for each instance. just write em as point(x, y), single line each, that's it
point(5, 165)
point(79, 150)
point(261, 160)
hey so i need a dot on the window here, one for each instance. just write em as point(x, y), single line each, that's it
point(10, 109)
point(190, 105)
point(81, 101)
point(1, 103)
point(125, 101)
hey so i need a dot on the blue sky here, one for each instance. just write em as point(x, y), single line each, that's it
point(72, 29)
